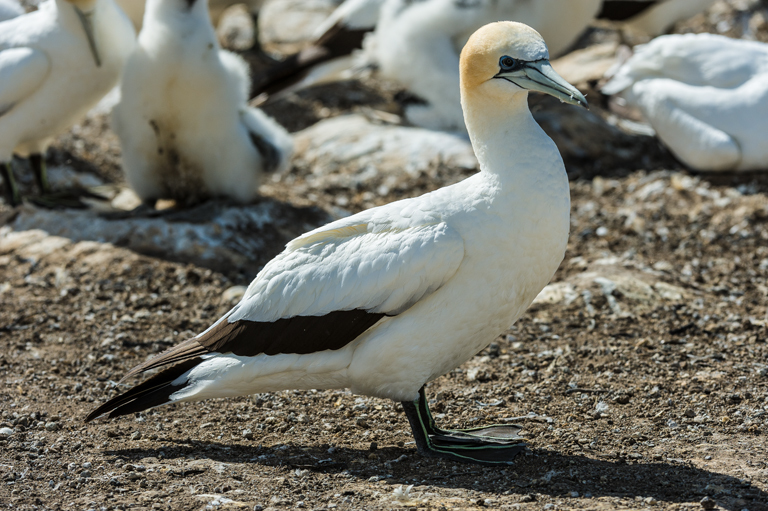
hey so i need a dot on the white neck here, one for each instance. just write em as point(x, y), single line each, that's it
point(514, 151)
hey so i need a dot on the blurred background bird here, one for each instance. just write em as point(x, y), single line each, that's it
point(10, 9)
point(185, 129)
point(55, 64)
point(705, 95)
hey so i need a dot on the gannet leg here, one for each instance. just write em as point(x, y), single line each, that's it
point(40, 171)
point(11, 190)
point(490, 445)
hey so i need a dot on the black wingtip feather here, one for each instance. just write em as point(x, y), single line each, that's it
point(153, 392)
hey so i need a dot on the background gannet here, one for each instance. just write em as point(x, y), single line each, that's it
point(417, 44)
point(390, 298)
point(183, 122)
point(705, 95)
point(55, 64)
point(10, 9)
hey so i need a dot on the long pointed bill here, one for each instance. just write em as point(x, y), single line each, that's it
point(86, 21)
point(540, 76)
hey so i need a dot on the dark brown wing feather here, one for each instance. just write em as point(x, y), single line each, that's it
point(153, 392)
point(337, 41)
point(299, 334)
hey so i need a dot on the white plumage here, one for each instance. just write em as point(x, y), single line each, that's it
point(10, 9)
point(55, 64)
point(417, 44)
point(388, 299)
point(705, 95)
point(183, 122)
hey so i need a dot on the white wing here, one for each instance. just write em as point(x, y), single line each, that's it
point(355, 263)
point(22, 71)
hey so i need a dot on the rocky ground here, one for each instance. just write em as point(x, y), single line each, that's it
point(640, 374)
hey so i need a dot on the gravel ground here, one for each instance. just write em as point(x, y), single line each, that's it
point(640, 374)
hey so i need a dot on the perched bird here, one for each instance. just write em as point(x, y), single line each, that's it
point(417, 44)
point(388, 299)
point(55, 64)
point(10, 9)
point(705, 95)
point(186, 130)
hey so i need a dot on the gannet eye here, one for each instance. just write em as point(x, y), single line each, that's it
point(507, 63)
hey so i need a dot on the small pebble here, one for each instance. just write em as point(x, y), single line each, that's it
point(52, 426)
point(574, 494)
point(248, 434)
point(707, 503)
point(6, 431)
point(136, 435)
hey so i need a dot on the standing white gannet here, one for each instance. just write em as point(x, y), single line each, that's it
point(705, 95)
point(417, 44)
point(183, 122)
point(10, 9)
point(56, 63)
point(393, 297)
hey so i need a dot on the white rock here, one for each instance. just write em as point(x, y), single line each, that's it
point(6, 432)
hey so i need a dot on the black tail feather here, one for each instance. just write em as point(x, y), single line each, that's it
point(148, 394)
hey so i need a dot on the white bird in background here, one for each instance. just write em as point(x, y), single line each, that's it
point(411, 29)
point(10, 9)
point(183, 122)
point(389, 299)
point(705, 95)
point(56, 63)
point(135, 9)
point(417, 44)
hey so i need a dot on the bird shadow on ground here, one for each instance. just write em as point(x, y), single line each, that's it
point(537, 471)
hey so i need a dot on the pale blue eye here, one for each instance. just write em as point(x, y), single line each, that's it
point(507, 63)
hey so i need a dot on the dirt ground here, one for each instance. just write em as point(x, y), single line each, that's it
point(640, 374)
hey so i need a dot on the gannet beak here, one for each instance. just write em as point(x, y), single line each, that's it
point(85, 20)
point(540, 76)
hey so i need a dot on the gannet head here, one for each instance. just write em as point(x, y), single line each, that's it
point(84, 10)
point(505, 58)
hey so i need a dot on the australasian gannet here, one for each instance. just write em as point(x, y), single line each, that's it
point(705, 95)
point(186, 130)
point(56, 63)
point(417, 44)
point(389, 299)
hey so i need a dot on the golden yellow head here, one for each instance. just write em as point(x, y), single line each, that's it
point(506, 57)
